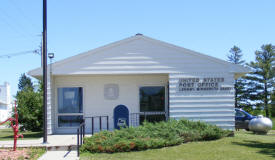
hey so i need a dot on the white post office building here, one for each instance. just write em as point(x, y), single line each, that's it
point(139, 78)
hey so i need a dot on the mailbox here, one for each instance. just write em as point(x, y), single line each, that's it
point(121, 116)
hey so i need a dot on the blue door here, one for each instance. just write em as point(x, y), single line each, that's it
point(121, 116)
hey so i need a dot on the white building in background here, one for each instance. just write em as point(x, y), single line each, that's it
point(5, 101)
point(128, 79)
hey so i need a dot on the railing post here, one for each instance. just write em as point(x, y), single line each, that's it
point(92, 125)
point(82, 128)
point(80, 136)
point(83, 131)
point(78, 142)
point(108, 123)
point(137, 119)
point(100, 127)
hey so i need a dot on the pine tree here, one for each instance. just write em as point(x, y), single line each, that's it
point(259, 82)
point(236, 58)
point(24, 82)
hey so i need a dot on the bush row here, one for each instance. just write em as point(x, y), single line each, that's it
point(151, 135)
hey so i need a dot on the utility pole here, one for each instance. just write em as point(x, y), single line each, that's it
point(44, 56)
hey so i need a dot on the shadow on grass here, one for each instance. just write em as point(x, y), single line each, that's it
point(266, 148)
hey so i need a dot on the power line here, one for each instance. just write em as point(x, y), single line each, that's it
point(12, 27)
point(20, 53)
point(22, 13)
point(15, 25)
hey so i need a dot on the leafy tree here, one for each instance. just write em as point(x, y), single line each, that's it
point(236, 58)
point(259, 83)
point(24, 82)
point(30, 104)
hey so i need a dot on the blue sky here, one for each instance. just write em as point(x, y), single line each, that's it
point(211, 27)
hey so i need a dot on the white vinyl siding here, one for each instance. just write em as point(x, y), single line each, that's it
point(214, 107)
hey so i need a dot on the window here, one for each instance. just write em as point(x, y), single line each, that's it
point(152, 99)
point(239, 114)
point(70, 106)
point(70, 100)
point(2, 107)
point(152, 102)
point(69, 121)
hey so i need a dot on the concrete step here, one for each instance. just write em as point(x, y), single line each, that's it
point(62, 148)
point(59, 155)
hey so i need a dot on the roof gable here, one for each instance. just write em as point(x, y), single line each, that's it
point(140, 54)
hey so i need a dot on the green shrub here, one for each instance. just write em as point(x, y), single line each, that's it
point(29, 105)
point(151, 135)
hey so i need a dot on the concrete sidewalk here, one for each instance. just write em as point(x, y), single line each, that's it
point(59, 155)
point(58, 146)
point(53, 140)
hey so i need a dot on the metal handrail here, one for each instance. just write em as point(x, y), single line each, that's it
point(80, 136)
point(81, 130)
point(100, 122)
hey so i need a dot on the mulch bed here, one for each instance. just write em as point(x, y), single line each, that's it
point(9, 154)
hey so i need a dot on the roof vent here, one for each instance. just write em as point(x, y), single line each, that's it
point(139, 34)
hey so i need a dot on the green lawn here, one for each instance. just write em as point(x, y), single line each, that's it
point(7, 134)
point(273, 121)
point(6, 123)
point(243, 146)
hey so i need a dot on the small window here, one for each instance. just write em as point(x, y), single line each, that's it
point(70, 100)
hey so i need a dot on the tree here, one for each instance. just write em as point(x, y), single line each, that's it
point(259, 87)
point(236, 58)
point(24, 82)
point(272, 107)
point(29, 106)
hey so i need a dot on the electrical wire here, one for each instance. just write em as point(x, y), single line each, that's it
point(20, 53)
point(22, 14)
point(15, 25)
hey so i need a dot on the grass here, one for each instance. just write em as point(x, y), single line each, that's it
point(35, 153)
point(6, 123)
point(243, 146)
point(7, 134)
point(273, 121)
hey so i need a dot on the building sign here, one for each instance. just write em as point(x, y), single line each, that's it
point(202, 84)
